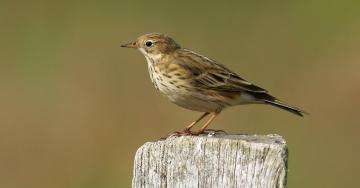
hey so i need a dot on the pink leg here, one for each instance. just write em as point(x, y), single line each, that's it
point(211, 119)
point(196, 121)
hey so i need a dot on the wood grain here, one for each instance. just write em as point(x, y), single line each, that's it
point(219, 160)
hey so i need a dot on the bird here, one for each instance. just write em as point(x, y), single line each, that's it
point(198, 83)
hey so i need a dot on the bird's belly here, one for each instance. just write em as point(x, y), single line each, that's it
point(180, 93)
point(196, 103)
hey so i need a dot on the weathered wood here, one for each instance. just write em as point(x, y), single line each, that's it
point(212, 161)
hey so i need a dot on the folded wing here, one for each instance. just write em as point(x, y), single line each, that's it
point(209, 74)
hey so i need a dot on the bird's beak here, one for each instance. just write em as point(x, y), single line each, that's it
point(130, 45)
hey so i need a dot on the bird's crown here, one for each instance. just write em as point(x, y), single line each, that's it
point(154, 43)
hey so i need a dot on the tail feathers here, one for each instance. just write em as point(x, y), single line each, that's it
point(268, 99)
point(286, 107)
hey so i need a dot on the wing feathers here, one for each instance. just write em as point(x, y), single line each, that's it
point(209, 74)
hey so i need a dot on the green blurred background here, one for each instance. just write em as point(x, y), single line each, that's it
point(74, 106)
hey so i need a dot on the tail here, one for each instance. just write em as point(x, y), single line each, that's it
point(287, 107)
point(268, 99)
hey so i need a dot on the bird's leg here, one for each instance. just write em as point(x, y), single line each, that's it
point(187, 129)
point(203, 128)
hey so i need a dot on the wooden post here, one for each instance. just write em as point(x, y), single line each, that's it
point(219, 160)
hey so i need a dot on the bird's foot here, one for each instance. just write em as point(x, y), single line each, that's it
point(185, 132)
point(188, 132)
point(210, 132)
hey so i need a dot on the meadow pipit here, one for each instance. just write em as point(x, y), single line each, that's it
point(196, 82)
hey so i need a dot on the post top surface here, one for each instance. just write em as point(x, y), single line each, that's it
point(250, 138)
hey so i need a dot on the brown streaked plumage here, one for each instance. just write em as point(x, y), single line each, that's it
point(196, 82)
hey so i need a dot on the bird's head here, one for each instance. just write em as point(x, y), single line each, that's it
point(153, 44)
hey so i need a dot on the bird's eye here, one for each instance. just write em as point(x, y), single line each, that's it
point(149, 43)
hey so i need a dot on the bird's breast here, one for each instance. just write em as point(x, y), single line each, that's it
point(167, 82)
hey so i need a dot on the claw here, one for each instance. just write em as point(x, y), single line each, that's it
point(216, 131)
point(211, 132)
point(188, 132)
point(185, 132)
